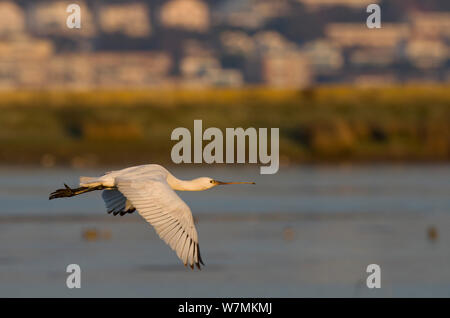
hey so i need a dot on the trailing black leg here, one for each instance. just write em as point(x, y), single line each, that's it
point(68, 192)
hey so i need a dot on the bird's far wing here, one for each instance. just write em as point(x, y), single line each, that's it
point(172, 219)
point(116, 203)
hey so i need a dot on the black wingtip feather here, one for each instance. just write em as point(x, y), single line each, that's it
point(200, 256)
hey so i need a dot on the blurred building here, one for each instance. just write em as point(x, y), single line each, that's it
point(271, 41)
point(431, 24)
point(70, 71)
point(317, 4)
point(190, 15)
point(286, 69)
point(196, 66)
point(207, 71)
point(373, 57)
point(25, 47)
point(87, 70)
point(357, 34)
point(131, 19)
point(427, 53)
point(249, 14)
point(325, 58)
point(13, 19)
point(135, 69)
point(21, 61)
point(198, 48)
point(237, 43)
point(49, 18)
point(221, 43)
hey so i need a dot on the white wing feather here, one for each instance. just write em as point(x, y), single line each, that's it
point(172, 219)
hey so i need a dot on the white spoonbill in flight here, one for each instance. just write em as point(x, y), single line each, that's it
point(149, 189)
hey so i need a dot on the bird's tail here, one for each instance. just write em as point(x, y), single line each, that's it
point(89, 181)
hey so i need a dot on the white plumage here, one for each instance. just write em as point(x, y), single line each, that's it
point(149, 189)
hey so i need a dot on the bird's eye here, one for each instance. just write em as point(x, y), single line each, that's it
point(211, 181)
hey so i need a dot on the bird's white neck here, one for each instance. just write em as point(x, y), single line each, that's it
point(183, 185)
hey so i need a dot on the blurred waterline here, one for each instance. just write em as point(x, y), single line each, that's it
point(306, 190)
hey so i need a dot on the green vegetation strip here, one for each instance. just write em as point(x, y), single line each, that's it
point(326, 124)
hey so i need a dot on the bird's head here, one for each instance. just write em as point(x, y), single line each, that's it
point(208, 183)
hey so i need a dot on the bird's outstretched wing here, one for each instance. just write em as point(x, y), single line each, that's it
point(172, 219)
point(116, 203)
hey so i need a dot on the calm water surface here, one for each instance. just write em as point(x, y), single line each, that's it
point(306, 231)
point(347, 189)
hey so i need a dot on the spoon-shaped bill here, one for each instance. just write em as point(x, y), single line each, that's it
point(220, 182)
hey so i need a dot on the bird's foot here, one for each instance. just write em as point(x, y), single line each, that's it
point(63, 193)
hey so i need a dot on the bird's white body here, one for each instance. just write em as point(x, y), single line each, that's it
point(149, 189)
point(151, 171)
